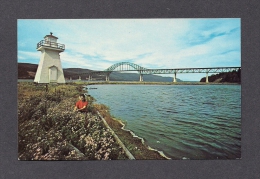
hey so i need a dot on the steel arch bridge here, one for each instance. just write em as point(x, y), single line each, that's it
point(127, 66)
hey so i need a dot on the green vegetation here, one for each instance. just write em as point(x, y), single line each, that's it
point(48, 129)
point(228, 77)
point(26, 70)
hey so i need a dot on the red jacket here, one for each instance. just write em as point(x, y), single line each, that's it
point(80, 104)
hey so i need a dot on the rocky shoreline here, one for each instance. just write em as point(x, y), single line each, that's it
point(48, 129)
point(135, 144)
point(143, 142)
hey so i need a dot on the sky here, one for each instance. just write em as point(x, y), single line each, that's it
point(97, 44)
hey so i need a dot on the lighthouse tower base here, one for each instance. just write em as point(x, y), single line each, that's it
point(49, 69)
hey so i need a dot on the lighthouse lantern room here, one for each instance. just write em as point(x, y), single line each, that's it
point(49, 68)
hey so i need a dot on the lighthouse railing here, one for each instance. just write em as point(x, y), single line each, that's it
point(50, 44)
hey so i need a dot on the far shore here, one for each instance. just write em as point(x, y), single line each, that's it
point(149, 83)
point(155, 83)
point(86, 82)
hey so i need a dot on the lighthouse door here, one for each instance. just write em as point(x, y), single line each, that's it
point(53, 74)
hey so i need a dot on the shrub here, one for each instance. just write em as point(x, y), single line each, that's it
point(50, 130)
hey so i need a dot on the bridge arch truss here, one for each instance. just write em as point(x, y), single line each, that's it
point(127, 66)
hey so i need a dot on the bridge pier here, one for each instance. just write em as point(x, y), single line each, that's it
point(174, 78)
point(89, 78)
point(126, 66)
point(141, 77)
point(107, 77)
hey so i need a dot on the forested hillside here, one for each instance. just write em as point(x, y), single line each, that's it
point(229, 77)
point(28, 71)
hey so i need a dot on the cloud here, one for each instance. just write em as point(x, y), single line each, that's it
point(152, 43)
point(120, 40)
point(28, 55)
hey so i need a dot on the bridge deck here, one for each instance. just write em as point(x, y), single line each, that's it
point(174, 70)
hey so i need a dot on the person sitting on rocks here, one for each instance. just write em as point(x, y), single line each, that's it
point(81, 105)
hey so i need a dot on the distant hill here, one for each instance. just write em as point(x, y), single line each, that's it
point(230, 77)
point(115, 76)
point(73, 73)
point(28, 71)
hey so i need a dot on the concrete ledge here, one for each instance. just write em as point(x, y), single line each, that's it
point(129, 155)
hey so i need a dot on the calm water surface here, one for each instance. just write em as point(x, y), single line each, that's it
point(183, 121)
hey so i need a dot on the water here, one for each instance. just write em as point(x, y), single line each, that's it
point(183, 121)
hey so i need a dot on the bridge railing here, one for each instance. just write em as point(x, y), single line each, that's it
point(190, 70)
point(173, 71)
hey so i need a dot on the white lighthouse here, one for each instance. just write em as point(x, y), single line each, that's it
point(49, 69)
